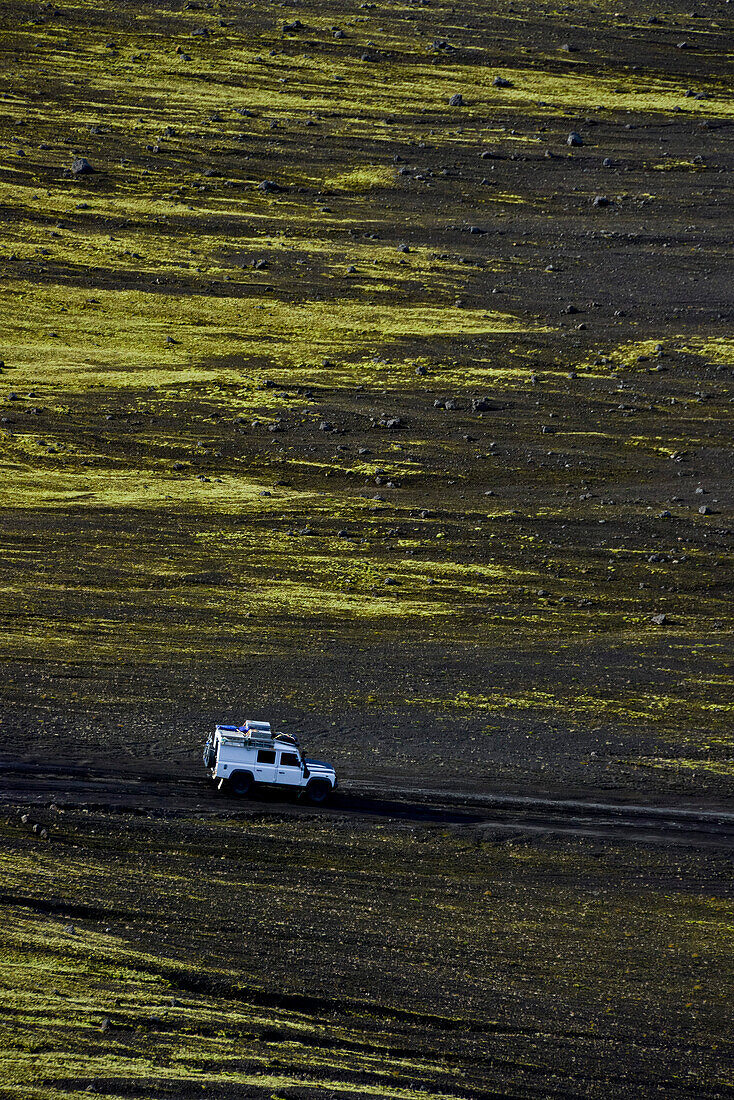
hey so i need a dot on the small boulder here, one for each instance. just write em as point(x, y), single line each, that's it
point(574, 138)
point(80, 166)
point(456, 100)
point(482, 404)
point(502, 82)
point(659, 620)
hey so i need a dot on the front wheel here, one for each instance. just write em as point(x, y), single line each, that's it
point(317, 791)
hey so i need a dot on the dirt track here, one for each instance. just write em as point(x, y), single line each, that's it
point(488, 815)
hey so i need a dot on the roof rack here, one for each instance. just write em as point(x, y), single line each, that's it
point(257, 734)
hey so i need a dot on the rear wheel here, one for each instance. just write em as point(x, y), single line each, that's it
point(240, 784)
point(317, 791)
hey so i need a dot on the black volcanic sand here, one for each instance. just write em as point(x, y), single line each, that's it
point(151, 956)
point(396, 418)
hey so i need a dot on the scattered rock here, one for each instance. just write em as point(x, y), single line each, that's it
point(482, 404)
point(601, 200)
point(269, 187)
point(501, 82)
point(574, 138)
point(659, 620)
point(80, 166)
point(326, 426)
point(456, 100)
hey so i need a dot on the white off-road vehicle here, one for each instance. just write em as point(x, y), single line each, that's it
point(239, 758)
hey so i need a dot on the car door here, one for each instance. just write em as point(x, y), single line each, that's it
point(265, 766)
point(290, 772)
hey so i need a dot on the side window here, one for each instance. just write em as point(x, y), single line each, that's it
point(289, 760)
point(265, 756)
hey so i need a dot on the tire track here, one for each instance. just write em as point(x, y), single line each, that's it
point(487, 816)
